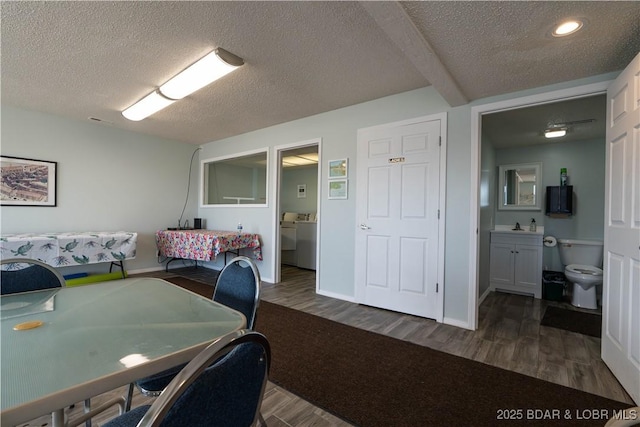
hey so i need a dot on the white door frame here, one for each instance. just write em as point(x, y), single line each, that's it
point(275, 190)
point(476, 123)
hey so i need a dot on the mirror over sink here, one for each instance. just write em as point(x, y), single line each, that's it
point(519, 187)
point(240, 180)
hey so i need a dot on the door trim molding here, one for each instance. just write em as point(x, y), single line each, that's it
point(477, 112)
point(275, 190)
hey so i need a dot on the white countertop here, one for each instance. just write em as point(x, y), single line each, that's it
point(525, 229)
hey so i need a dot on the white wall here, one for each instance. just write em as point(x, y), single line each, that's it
point(108, 180)
point(291, 178)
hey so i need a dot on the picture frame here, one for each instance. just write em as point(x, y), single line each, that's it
point(338, 189)
point(338, 168)
point(302, 191)
point(27, 182)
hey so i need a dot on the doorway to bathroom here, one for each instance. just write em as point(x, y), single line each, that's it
point(481, 176)
point(484, 169)
point(517, 137)
point(298, 211)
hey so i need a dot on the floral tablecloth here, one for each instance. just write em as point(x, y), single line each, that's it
point(72, 248)
point(205, 245)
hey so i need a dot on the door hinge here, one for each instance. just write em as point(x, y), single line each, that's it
point(437, 287)
point(439, 141)
point(438, 213)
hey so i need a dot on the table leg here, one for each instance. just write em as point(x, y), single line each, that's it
point(57, 418)
point(120, 264)
point(87, 409)
point(166, 267)
point(236, 253)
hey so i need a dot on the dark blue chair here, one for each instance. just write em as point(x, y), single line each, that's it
point(25, 274)
point(238, 287)
point(221, 386)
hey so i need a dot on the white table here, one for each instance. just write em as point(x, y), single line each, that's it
point(97, 338)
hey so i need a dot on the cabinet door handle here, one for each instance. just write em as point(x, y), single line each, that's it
point(517, 252)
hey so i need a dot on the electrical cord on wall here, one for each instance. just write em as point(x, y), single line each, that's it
point(186, 221)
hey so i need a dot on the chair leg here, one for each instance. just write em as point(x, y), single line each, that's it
point(87, 408)
point(127, 406)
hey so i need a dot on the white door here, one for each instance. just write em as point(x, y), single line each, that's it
point(621, 288)
point(398, 259)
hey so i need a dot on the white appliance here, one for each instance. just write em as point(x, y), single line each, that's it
point(306, 244)
point(298, 240)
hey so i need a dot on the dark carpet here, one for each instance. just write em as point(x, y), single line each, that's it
point(574, 321)
point(370, 379)
point(193, 286)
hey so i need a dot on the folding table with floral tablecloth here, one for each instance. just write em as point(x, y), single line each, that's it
point(205, 245)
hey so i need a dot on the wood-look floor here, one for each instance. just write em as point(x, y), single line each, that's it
point(509, 336)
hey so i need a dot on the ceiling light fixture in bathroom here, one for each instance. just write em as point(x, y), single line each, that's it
point(555, 132)
point(567, 27)
point(558, 130)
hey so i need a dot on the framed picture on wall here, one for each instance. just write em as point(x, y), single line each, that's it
point(302, 191)
point(27, 182)
point(338, 168)
point(338, 189)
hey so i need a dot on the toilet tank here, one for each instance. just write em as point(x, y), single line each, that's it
point(585, 252)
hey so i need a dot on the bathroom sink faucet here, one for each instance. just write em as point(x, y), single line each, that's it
point(517, 227)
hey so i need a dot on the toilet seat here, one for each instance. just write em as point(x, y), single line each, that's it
point(586, 270)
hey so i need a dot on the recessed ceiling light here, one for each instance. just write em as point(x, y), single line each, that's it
point(567, 27)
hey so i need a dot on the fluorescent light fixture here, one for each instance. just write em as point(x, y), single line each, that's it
point(555, 132)
point(217, 64)
point(567, 27)
point(300, 160)
point(147, 106)
point(208, 69)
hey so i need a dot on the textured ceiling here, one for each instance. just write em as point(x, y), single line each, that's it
point(93, 59)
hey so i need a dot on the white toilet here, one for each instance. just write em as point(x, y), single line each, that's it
point(582, 260)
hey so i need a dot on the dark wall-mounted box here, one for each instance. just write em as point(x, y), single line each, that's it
point(560, 201)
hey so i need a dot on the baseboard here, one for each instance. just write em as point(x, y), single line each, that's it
point(456, 322)
point(336, 296)
point(145, 270)
point(484, 296)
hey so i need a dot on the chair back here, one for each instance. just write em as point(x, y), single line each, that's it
point(238, 287)
point(221, 386)
point(25, 274)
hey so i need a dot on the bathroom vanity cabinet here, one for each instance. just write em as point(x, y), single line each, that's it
point(516, 262)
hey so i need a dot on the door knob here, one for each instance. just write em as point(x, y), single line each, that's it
point(364, 227)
